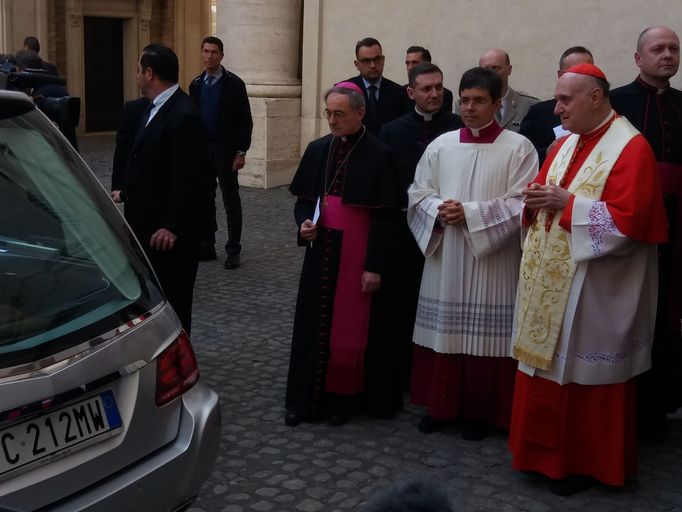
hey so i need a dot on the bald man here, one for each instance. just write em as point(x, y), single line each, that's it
point(586, 300)
point(655, 109)
point(515, 104)
point(541, 125)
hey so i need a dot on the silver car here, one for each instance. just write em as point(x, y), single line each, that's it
point(101, 405)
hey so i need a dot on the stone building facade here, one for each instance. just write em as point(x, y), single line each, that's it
point(289, 51)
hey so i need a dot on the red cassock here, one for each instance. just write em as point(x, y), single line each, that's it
point(567, 429)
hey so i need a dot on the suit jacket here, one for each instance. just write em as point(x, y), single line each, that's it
point(448, 100)
point(538, 126)
point(161, 170)
point(235, 123)
point(127, 129)
point(517, 106)
point(393, 103)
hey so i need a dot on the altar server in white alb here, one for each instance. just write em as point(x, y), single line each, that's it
point(464, 208)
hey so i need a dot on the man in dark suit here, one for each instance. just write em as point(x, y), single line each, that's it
point(386, 100)
point(541, 125)
point(160, 176)
point(32, 43)
point(221, 97)
point(414, 56)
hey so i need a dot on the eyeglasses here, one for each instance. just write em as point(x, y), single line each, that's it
point(476, 102)
point(375, 60)
point(328, 114)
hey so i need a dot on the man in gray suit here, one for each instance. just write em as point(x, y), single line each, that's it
point(515, 104)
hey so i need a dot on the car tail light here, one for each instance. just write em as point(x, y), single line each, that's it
point(176, 370)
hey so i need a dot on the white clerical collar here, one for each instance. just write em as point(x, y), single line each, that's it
point(608, 118)
point(476, 132)
point(427, 116)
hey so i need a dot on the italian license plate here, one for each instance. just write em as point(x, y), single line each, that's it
point(53, 435)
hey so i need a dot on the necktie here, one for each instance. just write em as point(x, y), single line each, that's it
point(210, 80)
point(372, 106)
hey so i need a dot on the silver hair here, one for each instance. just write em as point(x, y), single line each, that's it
point(356, 100)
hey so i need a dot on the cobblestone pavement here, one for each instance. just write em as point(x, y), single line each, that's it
point(241, 332)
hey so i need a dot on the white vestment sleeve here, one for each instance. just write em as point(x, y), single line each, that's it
point(491, 224)
point(423, 202)
point(593, 232)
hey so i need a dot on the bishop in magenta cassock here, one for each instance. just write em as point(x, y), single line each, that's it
point(346, 212)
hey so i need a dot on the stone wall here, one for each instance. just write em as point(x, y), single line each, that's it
point(457, 32)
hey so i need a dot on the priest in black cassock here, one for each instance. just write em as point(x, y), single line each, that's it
point(655, 109)
point(407, 137)
point(347, 217)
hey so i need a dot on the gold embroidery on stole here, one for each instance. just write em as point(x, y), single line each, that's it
point(547, 269)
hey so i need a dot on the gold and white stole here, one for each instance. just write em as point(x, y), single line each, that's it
point(547, 269)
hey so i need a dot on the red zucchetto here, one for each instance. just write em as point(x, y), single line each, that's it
point(587, 69)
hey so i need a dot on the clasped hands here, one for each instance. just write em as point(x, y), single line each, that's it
point(451, 212)
point(549, 197)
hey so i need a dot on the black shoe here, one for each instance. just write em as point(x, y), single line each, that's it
point(292, 419)
point(232, 261)
point(428, 425)
point(208, 253)
point(338, 419)
point(474, 431)
point(572, 484)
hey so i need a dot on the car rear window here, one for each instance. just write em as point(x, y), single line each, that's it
point(69, 267)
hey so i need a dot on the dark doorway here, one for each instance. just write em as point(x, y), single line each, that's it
point(103, 44)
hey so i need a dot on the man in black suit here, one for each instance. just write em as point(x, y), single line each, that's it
point(414, 56)
point(221, 97)
point(541, 125)
point(32, 43)
point(386, 100)
point(160, 176)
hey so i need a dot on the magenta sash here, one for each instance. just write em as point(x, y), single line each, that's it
point(350, 319)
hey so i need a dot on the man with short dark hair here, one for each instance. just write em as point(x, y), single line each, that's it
point(586, 302)
point(407, 137)
point(655, 109)
point(541, 125)
point(414, 56)
point(385, 99)
point(515, 104)
point(32, 43)
point(346, 215)
point(221, 96)
point(463, 211)
point(161, 177)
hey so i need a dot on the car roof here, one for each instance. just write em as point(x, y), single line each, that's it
point(15, 96)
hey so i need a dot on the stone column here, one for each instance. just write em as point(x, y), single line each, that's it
point(262, 46)
point(75, 63)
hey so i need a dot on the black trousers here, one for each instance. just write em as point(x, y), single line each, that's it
point(177, 272)
point(221, 165)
